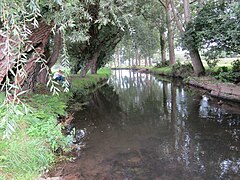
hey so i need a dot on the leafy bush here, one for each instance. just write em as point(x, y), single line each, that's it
point(229, 76)
point(236, 66)
point(161, 64)
point(222, 69)
point(182, 70)
point(226, 75)
point(211, 58)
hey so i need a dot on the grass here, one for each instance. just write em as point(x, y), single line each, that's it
point(163, 70)
point(31, 148)
point(79, 85)
point(38, 136)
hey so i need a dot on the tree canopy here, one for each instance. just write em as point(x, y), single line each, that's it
point(83, 34)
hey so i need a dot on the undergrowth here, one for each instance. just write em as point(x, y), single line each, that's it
point(38, 138)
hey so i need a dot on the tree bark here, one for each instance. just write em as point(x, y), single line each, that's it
point(94, 63)
point(170, 34)
point(85, 69)
point(163, 46)
point(146, 62)
point(43, 75)
point(187, 13)
point(139, 58)
point(136, 56)
point(149, 61)
point(197, 63)
point(118, 57)
point(39, 39)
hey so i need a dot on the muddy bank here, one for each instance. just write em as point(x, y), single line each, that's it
point(216, 88)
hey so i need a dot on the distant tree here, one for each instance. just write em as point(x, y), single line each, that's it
point(168, 11)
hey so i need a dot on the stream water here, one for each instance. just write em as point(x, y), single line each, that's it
point(142, 127)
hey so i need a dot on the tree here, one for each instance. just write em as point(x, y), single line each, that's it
point(167, 6)
point(216, 27)
point(193, 50)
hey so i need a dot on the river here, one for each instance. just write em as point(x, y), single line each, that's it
point(139, 126)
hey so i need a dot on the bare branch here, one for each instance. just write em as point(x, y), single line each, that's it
point(193, 1)
point(163, 3)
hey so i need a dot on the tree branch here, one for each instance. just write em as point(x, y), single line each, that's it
point(163, 3)
point(177, 19)
point(193, 1)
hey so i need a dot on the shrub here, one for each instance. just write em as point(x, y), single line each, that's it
point(236, 66)
point(229, 76)
point(161, 64)
point(182, 70)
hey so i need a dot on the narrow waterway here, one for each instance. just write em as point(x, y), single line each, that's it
point(142, 127)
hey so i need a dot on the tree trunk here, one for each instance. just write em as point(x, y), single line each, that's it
point(43, 75)
point(149, 61)
point(197, 63)
point(163, 46)
point(85, 69)
point(146, 62)
point(39, 38)
point(118, 57)
point(187, 13)
point(94, 63)
point(139, 58)
point(194, 53)
point(170, 34)
point(136, 56)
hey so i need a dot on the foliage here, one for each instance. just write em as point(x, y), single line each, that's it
point(229, 75)
point(160, 64)
point(211, 58)
point(182, 70)
point(215, 28)
point(80, 86)
point(38, 135)
point(24, 158)
point(236, 66)
point(164, 70)
point(142, 34)
point(18, 19)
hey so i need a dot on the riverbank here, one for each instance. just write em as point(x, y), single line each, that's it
point(36, 141)
point(214, 87)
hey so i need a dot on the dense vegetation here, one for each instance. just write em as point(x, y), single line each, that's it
point(38, 140)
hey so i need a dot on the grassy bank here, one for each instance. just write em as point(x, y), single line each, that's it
point(163, 70)
point(37, 141)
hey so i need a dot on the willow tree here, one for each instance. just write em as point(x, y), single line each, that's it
point(28, 31)
point(108, 21)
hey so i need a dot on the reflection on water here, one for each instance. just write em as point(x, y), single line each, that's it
point(140, 127)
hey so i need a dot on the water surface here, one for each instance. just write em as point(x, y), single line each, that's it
point(142, 127)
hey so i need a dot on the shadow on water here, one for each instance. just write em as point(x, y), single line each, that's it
point(141, 127)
